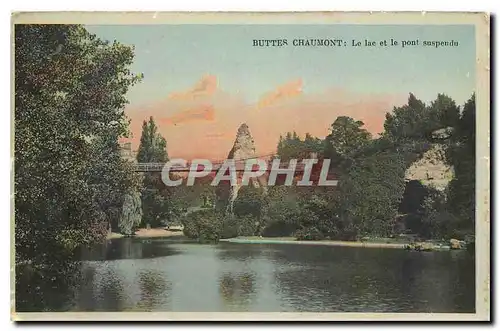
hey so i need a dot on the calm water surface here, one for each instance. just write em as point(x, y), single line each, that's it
point(158, 275)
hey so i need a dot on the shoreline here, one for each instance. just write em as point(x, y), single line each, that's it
point(315, 242)
point(147, 233)
point(179, 236)
point(338, 243)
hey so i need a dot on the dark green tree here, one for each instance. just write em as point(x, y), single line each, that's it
point(293, 147)
point(443, 112)
point(408, 121)
point(155, 202)
point(69, 178)
point(417, 121)
point(206, 225)
point(462, 155)
point(283, 210)
point(370, 193)
point(153, 147)
point(346, 137)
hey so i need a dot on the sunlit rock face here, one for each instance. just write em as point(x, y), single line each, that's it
point(431, 169)
point(244, 145)
point(243, 149)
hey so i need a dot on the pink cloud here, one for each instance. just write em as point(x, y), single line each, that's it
point(205, 126)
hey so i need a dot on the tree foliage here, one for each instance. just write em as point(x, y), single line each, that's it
point(131, 216)
point(69, 178)
point(346, 137)
point(205, 225)
point(462, 155)
point(371, 192)
point(153, 149)
point(291, 146)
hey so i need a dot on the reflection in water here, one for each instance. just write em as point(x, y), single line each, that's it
point(127, 248)
point(51, 290)
point(375, 280)
point(236, 290)
point(111, 292)
point(153, 290)
point(154, 275)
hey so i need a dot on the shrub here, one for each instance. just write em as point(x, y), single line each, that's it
point(204, 225)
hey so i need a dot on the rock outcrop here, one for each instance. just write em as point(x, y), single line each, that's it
point(457, 244)
point(244, 145)
point(243, 149)
point(431, 170)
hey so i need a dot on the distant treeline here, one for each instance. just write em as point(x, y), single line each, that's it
point(373, 197)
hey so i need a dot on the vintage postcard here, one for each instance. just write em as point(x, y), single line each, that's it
point(250, 166)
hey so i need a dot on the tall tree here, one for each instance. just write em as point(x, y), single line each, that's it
point(69, 178)
point(131, 215)
point(462, 155)
point(153, 149)
point(346, 137)
point(370, 192)
point(293, 147)
point(443, 112)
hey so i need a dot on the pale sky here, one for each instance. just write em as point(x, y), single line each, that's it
point(174, 58)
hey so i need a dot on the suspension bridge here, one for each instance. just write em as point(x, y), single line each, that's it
point(216, 165)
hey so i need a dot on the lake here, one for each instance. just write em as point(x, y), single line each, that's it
point(136, 274)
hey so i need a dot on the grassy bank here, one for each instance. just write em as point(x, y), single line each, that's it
point(371, 243)
point(149, 233)
point(388, 243)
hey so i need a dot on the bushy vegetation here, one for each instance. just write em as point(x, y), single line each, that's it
point(152, 149)
point(373, 197)
point(70, 180)
point(69, 177)
point(205, 225)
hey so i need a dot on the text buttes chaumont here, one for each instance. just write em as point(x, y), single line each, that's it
point(296, 42)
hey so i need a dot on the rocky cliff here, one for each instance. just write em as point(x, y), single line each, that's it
point(243, 149)
point(431, 169)
point(244, 145)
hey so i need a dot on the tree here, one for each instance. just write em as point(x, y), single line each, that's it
point(462, 155)
point(69, 178)
point(370, 193)
point(248, 210)
point(444, 112)
point(437, 220)
point(345, 138)
point(131, 213)
point(417, 121)
point(282, 216)
point(318, 216)
point(152, 149)
point(248, 202)
point(69, 97)
point(120, 180)
point(206, 225)
point(408, 121)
